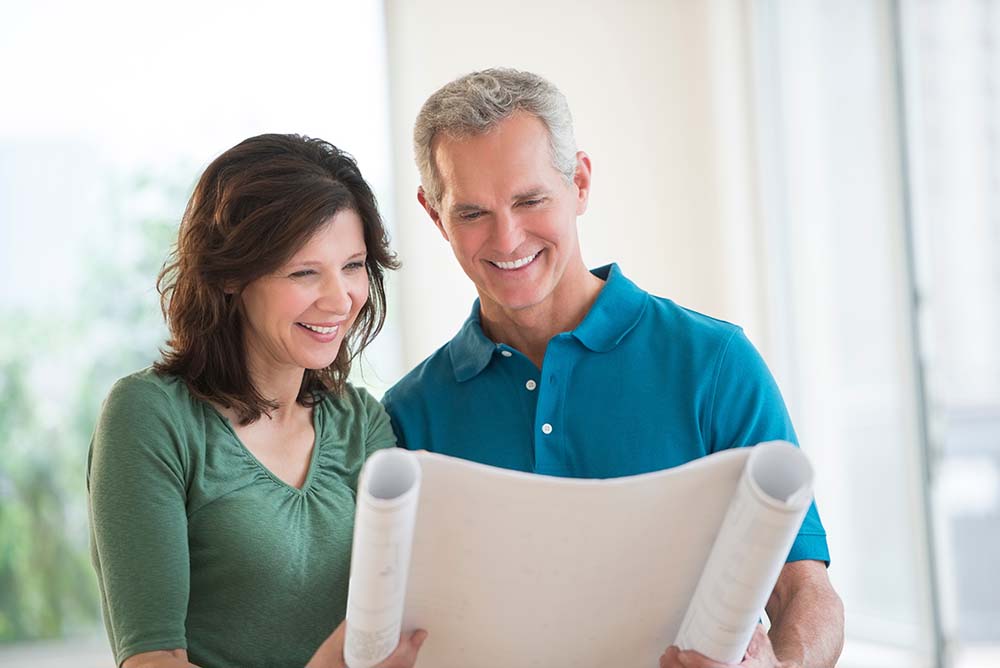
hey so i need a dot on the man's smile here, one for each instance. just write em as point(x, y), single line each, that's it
point(516, 264)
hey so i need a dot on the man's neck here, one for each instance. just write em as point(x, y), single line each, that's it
point(530, 329)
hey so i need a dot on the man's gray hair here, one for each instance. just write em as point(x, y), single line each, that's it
point(477, 102)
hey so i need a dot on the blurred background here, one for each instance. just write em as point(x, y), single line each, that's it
point(826, 174)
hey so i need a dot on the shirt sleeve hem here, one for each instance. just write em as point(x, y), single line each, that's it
point(165, 645)
point(809, 546)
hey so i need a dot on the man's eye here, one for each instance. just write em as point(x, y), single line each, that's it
point(470, 215)
point(531, 202)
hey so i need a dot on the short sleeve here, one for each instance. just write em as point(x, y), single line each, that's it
point(380, 433)
point(748, 409)
point(390, 409)
point(138, 522)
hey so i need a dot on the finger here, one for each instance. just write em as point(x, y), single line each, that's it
point(756, 641)
point(405, 654)
point(669, 658)
point(417, 638)
point(689, 658)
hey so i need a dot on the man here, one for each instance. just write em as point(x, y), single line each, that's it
point(565, 371)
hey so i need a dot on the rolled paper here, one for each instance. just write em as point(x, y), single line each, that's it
point(380, 557)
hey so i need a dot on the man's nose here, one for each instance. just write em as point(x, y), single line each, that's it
point(507, 233)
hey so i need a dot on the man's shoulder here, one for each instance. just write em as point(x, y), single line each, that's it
point(681, 323)
point(637, 315)
point(435, 371)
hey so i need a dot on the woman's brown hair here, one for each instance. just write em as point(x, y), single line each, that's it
point(253, 208)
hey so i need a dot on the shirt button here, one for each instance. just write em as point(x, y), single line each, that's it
point(531, 385)
point(505, 353)
point(546, 428)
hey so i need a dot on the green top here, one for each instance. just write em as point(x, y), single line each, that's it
point(198, 546)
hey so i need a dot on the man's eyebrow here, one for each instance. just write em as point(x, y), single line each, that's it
point(462, 207)
point(531, 193)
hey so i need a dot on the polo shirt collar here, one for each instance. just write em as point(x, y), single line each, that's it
point(616, 311)
point(470, 350)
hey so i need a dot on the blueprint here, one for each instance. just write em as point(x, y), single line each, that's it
point(504, 568)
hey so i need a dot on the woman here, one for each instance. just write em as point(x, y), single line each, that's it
point(222, 479)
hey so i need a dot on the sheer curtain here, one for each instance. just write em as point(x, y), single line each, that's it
point(951, 68)
point(833, 210)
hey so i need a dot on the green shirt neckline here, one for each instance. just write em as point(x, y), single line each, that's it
point(313, 456)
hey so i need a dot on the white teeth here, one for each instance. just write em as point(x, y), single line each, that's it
point(321, 330)
point(516, 264)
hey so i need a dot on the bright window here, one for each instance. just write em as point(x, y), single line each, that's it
point(111, 110)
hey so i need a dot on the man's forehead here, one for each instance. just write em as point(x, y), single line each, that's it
point(478, 188)
point(514, 162)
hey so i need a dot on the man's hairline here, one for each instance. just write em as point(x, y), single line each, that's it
point(436, 199)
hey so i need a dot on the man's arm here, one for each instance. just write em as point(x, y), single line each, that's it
point(807, 616)
point(807, 626)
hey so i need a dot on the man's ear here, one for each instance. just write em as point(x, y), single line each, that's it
point(432, 212)
point(581, 179)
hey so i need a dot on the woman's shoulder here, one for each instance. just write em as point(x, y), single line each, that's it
point(355, 418)
point(149, 389)
point(353, 400)
point(146, 398)
point(145, 415)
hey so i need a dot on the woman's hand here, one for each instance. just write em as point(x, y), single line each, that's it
point(405, 654)
point(331, 653)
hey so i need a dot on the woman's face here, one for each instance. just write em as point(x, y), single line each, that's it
point(297, 317)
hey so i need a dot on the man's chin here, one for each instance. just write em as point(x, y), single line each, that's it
point(515, 303)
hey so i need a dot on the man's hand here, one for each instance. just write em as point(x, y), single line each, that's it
point(807, 625)
point(759, 654)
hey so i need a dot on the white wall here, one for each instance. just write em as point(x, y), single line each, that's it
point(657, 90)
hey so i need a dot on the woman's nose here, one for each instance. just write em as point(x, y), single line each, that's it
point(336, 297)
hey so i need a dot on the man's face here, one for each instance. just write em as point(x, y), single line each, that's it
point(508, 214)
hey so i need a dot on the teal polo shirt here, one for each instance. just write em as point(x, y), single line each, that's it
point(641, 385)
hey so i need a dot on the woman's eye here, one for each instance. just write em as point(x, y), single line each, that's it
point(355, 266)
point(302, 273)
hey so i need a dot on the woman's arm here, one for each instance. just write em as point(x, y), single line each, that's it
point(139, 540)
point(329, 655)
point(176, 658)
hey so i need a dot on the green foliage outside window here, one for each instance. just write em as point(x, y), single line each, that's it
point(55, 370)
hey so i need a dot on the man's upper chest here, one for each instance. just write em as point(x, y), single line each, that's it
point(583, 414)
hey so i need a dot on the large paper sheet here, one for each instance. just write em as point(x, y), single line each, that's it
point(516, 569)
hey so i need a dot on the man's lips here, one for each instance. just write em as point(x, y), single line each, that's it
point(515, 264)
